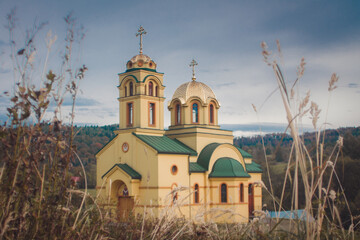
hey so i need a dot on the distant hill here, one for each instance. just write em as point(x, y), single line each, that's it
point(249, 130)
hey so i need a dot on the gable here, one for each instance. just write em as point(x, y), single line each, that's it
point(127, 169)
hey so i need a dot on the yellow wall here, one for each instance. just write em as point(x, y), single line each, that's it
point(198, 138)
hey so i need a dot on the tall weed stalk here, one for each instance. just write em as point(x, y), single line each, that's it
point(37, 198)
point(315, 173)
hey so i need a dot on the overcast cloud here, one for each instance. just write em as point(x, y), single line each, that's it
point(223, 37)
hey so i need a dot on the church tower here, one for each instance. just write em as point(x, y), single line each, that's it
point(194, 115)
point(141, 93)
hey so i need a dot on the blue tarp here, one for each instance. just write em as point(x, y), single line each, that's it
point(295, 214)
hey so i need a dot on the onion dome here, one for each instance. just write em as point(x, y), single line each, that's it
point(194, 89)
point(141, 61)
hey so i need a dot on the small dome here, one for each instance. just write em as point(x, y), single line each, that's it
point(193, 89)
point(228, 167)
point(141, 61)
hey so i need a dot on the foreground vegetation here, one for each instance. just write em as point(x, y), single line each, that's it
point(40, 154)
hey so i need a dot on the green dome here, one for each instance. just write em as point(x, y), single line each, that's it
point(228, 168)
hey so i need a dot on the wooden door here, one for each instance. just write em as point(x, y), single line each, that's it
point(251, 200)
point(125, 207)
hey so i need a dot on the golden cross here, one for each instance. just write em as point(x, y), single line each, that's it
point(141, 32)
point(193, 64)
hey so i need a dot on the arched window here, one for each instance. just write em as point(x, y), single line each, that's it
point(174, 193)
point(151, 113)
point(195, 113)
point(156, 91)
point(131, 89)
point(211, 113)
point(196, 194)
point(223, 193)
point(130, 114)
point(241, 192)
point(125, 91)
point(151, 88)
point(177, 114)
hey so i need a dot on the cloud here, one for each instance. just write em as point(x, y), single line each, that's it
point(2, 43)
point(353, 85)
point(229, 84)
point(4, 70)
point(80, 102)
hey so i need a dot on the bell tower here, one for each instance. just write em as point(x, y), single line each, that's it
point(141, 93)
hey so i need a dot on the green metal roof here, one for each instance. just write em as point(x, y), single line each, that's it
point(196, 168)
point(228, 168)
point(163, 144)
point(244, 153)
point(253, 167)
point(126, 168)
point(134, 69)
point(205, 155)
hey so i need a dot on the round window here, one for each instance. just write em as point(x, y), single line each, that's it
point(174, 170)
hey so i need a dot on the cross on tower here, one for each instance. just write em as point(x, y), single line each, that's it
point(141, 32)
point(193, 64)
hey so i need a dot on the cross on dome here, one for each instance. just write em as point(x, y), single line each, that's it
point(193, 64)
point(141, 32)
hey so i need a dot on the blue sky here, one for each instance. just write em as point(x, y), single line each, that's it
point(222, 36)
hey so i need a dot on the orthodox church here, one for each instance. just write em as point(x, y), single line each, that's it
point(192, 165)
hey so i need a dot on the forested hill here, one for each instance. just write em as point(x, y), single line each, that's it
point(279, 144)
point(347, 165)
point(90, 139)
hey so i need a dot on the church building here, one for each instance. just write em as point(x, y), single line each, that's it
point(192, 165)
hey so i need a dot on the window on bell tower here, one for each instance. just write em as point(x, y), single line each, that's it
point(195, 113)
point(151, 114)
point(177, 114)
point(151, 89)
point(130, 114)
point(131, 87)
point(211, 113)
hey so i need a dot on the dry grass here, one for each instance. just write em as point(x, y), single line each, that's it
point(38, 202)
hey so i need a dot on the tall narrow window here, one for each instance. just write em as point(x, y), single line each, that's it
point(130, 114)
point(125, 91)
point(223, 193)
point(241, 192)
point(174, 193)
point(211, 114)
point(195, 113)
point(152, 114)
point(131, 86)
point(178, 114)
point(156, 91)
point(151, 88)
point(196, 194)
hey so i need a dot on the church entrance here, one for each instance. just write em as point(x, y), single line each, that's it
point(125, 202)
point(251, 200)
point(125, 207)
